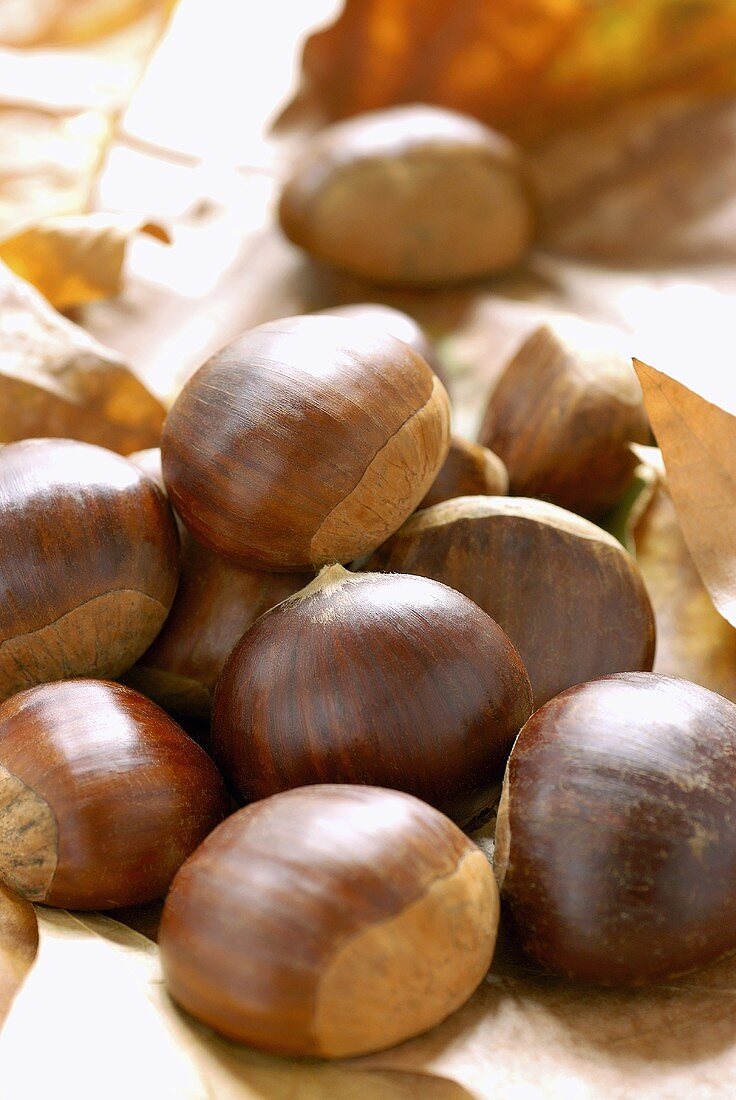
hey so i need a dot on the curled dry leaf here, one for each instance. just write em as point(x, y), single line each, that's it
point(570, 58)
point(698, 444)
point(63, 22)
point(78, 258)
point(18, 944)
point(56, 380)
point(88, 961)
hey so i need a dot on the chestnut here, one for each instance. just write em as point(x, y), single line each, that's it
point(569, 596)
point(396, 323)
point(366, 678)
point(563, 414)
point(469, 470)
point(88, 562)
point(616, 836)
point(102, 795)
point(330, 921)
point(412, 195)
point(214, 605)
point(305, 441)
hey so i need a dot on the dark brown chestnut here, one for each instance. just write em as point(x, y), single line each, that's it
point(469, 470)
point(396, 323)
point(330, 921)
point(569, 596)
point(305, 441)
point(563, 415)
point(365, 678)
point(215, 604)
point(89, 562)
point(102, 795)
point(413, 195)
point(616, 834)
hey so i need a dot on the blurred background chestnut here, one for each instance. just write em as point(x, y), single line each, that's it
point(469, 470)
point(364, 678)
point(569, 596)
point(88, 566)
point(102, 795)
point(563, 414)
point(305, 441)
point(616, 836)
point(329, 921)
point(413, 195)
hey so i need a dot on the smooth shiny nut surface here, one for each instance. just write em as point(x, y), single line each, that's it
point(330, 921)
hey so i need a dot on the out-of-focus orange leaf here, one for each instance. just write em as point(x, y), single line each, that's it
point(18, 944)
point(698, 444)
point(55, 380)
point(78, 258)
point(527, 67)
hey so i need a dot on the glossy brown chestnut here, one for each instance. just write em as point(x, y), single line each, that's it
point(364, 678)
point(412, 195)
point(568, 595)
point(397, 324)
point(307, 440)
point(469, 470)
point(89, 562)
point(329, 920)
point(102, 795)
point(214, 605)
point(563, 414)
point(616, 836)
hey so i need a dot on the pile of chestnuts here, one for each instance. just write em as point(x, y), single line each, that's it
point(386, 646)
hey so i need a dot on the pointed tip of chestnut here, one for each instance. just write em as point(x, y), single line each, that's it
point(102, 795)
point(396, 681)
point(616, 842)
point(567, 593)
point(305, 441)
point(329, 921)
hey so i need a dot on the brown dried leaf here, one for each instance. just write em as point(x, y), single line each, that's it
point(18, 945)
point(61, 22)
point(693, 640)
point(78, 258)
point(698, 444)
point(528, 67)
point(96, 991)
point(56, 380)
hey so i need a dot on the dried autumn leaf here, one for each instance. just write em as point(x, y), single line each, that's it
point(698, 444)
point(693, 640)
point(56, 380)
point(96, 990)
point(47, 22)
point(78, 258)
point(18, 945)
point(567, 58)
